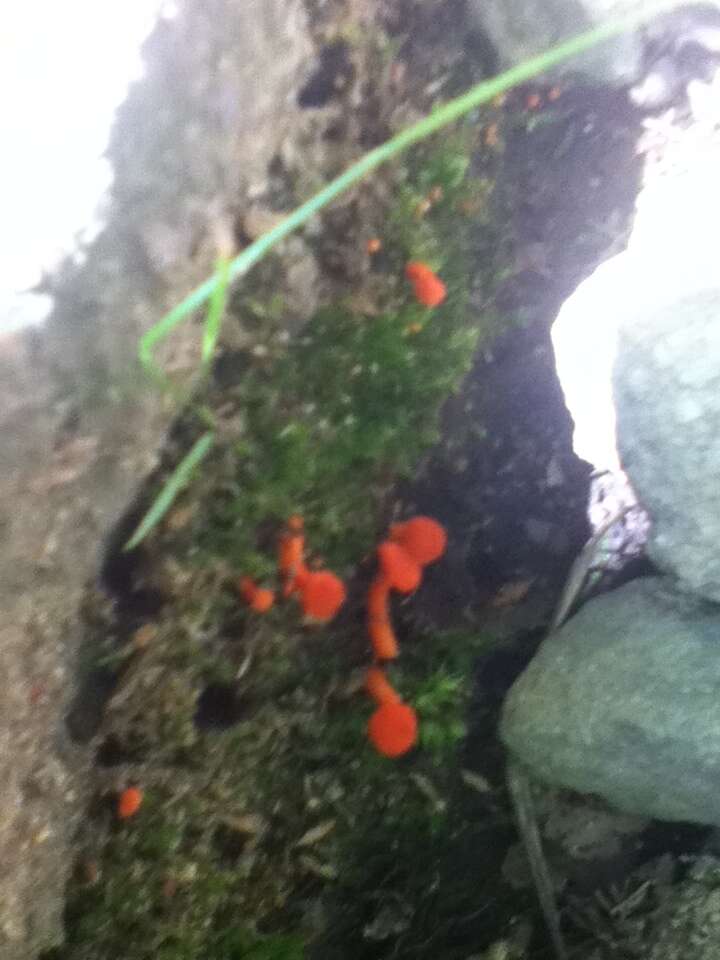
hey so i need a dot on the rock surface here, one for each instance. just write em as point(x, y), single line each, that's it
point(667, 391)
point(681, 153)
point(518, 30)
point(622, 702)
point(77, 428)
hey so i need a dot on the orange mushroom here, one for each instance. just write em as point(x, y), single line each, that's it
point(129, 802)
point(263, 600)
point(259, 599)
point(398, 568)
point(428, 288)
point(380, 688)
point(291, 555)
point(377, 599)
point(380, 629)
point(321, 595)
point(383, 640)
point(393, 729)
point(423, 538)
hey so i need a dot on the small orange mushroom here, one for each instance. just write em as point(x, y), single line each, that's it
point(380, 688)
point(428, 288)
point(259, 599)
point(129, 802)
point(374, 245)
point(291, 554)
point(383, 640)
point(321, 595)
point(423, 538)
point(377, 599)
point(263, 600)
point(382, 636)
point(393, 729)
point(398, 568)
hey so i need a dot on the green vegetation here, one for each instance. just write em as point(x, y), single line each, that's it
point(331, 420)
point(443, 116)
point(215, 864)
point(270, 828)
point(215, 288)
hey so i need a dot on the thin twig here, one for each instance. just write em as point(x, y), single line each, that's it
point(519, 786)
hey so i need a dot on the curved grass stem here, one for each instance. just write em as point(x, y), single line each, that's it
point(481, 93)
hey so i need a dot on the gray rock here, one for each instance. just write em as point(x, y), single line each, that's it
point(78, 430)
point(623, 702)
point(519, 29)
point(667, 395)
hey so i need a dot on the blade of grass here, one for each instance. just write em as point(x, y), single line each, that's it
point(176, 482)
point(443, 115)
point(216, 287)
point(216, 310)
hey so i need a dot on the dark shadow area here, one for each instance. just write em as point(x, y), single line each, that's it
point(334, 73)
point(219, 707)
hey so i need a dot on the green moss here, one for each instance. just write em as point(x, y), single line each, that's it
point(327, 425)
point(237, 945)
point(352, 404)
point(417, 862)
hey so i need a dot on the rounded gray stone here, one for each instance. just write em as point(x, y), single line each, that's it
point(519, 29)
point(666, 383)
point(624, 702)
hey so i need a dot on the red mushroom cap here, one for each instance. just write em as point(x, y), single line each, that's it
point(262, 600)
point(129, 802)
point(428, 288)
point(422, 537)
point(401, 571)
point(393, 729)
point(259, 599)
point(322, 595)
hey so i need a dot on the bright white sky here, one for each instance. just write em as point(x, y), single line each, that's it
point(65, 65)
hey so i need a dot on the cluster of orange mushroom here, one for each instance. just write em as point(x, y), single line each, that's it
point(411, 546)
point(320, 592)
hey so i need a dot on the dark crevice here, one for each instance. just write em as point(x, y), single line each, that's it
point(334, 73)
point(219, 707)
point(113, 753)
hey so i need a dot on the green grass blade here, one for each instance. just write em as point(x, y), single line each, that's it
point(216, 310)
point(177, 481)
point(477, 95)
